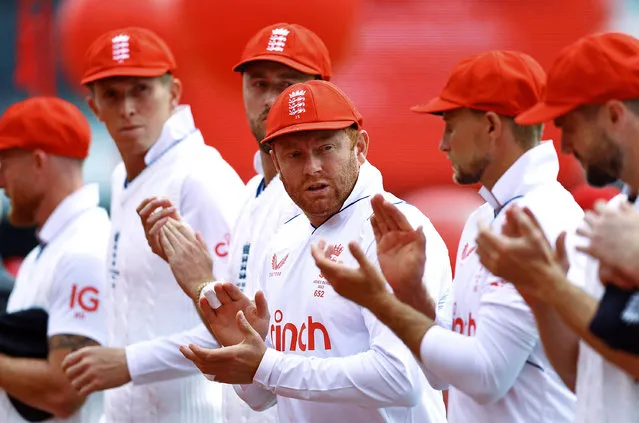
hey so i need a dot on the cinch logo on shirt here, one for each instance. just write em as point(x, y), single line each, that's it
point(302, 338)
point(465, 326)
point(87, 299)
point(277, 265)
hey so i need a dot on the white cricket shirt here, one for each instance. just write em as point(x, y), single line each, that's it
point(330, 360)
point(160, 359)
point(605, 393)
point(267, 209)
point(493, 358)
point(67, 278)
point(146, 301)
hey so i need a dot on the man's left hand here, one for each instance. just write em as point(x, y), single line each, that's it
point(236, 364)
point(188, 256)
point(222, 320)
point(526, 260)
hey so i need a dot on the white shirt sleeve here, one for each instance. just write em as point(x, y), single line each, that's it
point(257, 397)
point(386, 375)
point(212, 210)
point(485, 366)
point(160, 359)
point(75, 301)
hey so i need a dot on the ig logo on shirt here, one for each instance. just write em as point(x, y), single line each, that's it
point(84, 300)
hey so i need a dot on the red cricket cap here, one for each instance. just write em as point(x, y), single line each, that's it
point(127, 52)
point(593, 70)
point(310, 106)
point(50, 124)
point(291, 45)
point(504, 82)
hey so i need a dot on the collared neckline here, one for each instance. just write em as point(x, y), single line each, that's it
point(536, 166)
point(369, 181)
point(82, 200)
point(179, 126)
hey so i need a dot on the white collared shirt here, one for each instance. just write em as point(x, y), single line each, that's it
point(67, 278)
point(492, 358)
point(329, 359)
point(146, 301)
point(160, 359)
point(267, 209)
point(176, 129)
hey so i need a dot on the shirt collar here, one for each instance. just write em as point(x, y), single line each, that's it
point(369, 182)
point(82, 200)
point(176, 128)
point(536, 166)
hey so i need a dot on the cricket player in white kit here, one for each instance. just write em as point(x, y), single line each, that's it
point(266, 72)
point(491, 357)
point(43, 144)
point(592, 95)
point(129, 72)
point(325, 358)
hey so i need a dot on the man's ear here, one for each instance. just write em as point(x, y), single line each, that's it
point(94, 108)
point(176, 92)
point(495, 125)
point(361, 146)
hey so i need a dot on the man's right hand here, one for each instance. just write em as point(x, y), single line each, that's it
point(96, 368)
point(187, 254)
point(223, 320)
point(154, 213)
point(401, 250)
